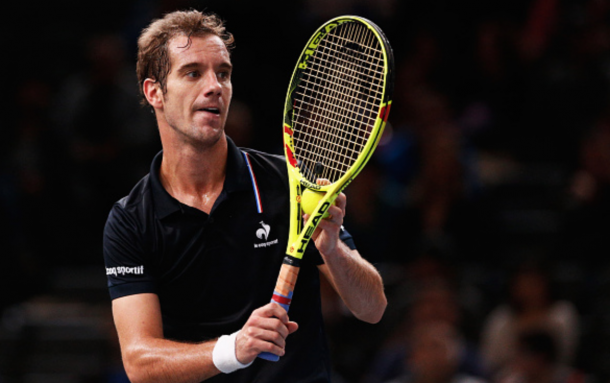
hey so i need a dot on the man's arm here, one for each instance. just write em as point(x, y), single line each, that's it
point(357, 282)
point(148, 357)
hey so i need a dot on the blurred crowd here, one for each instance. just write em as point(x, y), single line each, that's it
point(486, 206)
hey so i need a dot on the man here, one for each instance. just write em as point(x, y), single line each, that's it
point(192, 253)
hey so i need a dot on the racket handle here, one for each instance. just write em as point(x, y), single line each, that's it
point(282, 295)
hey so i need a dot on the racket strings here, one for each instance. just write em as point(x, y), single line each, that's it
point(338, 100)
point(344, 63)
point(350, 74)
point(340, 64)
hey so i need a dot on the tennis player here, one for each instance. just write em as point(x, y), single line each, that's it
point(192, 253)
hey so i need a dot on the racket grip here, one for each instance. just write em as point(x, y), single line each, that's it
point(282, 294)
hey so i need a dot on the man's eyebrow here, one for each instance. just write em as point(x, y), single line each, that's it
point(188, 66)
point(194, 65)
point(226, 65)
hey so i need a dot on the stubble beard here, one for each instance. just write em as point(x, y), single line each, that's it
point(200, 138)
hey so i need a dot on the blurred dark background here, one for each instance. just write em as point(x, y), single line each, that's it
point(495, 164)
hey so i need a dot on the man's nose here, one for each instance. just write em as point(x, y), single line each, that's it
point(212, 85)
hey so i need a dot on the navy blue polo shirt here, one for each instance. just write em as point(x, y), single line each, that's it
point(211, 271)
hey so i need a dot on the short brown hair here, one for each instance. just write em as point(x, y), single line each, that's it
point(153, 54)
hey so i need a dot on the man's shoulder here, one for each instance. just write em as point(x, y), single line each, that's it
point(136, 196)
point(270, 164)
point(134, 204)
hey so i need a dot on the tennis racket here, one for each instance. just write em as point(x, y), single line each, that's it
point(336, 108)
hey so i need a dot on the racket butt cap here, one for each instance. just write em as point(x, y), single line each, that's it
point(269, 356)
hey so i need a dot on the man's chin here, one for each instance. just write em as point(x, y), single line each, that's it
point(209, 139)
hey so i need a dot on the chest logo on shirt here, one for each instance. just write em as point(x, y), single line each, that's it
point(263, 233)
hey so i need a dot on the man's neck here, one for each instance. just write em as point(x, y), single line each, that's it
point(195, 176)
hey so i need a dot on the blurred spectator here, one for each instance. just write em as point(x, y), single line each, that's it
point(540, 26)
point(440, 182)
point(434, 305)
point(592, 179)
point(588, 209)
point(434, 356)
point(531, 305)
point(32, 193)
point(370, 219)
point(537, 361)
point(428, 173)
point(567, 83)
point(109, 136)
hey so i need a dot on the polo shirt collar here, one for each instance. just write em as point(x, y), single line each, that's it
point(238, 176)
point(236, 179)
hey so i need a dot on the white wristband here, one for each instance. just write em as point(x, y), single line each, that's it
point(223, 355)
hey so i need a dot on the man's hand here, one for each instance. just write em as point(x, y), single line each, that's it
point(326, 235)
point(265, 331)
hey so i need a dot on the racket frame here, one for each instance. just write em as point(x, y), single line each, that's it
point(300, 233)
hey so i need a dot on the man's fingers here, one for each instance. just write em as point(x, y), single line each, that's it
point(336, 215)
point(265, 331)
point(341, 202)
point(257, 333)
point(292, 327)
point(272, 310)
point(251, 342)
point(269, 324)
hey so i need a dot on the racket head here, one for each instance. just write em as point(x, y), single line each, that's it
point(338, 102)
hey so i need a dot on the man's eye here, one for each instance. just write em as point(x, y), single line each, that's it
point(224, 75)
point(193, 74)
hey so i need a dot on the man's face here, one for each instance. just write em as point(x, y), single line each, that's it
point(199, 89)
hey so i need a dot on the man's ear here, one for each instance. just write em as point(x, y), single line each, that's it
point(153, 93)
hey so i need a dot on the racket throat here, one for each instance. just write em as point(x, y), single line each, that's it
point(311, 174)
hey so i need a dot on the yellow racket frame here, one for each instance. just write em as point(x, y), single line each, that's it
point(300, 233)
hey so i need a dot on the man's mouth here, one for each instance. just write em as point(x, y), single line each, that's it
point(210, 110)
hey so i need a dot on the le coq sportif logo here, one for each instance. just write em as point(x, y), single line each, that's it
point(263, 232)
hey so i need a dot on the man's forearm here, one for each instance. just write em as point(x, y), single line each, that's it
point(357, 282)
point(162, 360)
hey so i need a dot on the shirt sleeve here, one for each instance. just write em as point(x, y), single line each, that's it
point(347, 238)
point(128, 269)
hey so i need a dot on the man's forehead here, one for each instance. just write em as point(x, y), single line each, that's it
point(181, 44)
